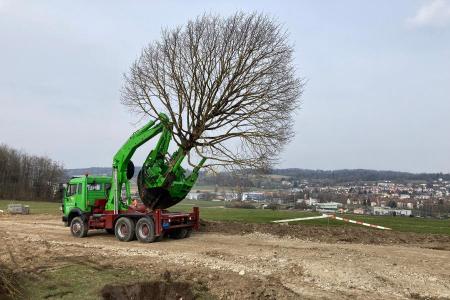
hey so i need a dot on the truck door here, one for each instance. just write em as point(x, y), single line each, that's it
point(70, 197)
point(79, 197)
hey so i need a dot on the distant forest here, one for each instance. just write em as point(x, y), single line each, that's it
point(336, 176)
point(28, 177)
point(320, 176)
point(354, 175)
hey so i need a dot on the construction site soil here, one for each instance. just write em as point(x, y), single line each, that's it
point(237, 261)
point(332, 234)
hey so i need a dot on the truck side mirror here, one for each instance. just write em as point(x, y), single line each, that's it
point(62, 189)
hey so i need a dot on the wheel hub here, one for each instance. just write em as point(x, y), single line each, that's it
point(145, 230)
point(76, 227)
point(123, 230)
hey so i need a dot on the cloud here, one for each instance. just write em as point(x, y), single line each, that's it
point(434, 13)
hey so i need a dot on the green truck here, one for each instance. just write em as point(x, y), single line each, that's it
point(105, 202)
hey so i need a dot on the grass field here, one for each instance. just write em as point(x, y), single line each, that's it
point(405, 224)
point(36, 207)
point(215, 211)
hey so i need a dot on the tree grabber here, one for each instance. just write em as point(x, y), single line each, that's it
point(162, 181)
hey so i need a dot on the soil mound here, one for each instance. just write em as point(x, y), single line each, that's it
point(331, 234)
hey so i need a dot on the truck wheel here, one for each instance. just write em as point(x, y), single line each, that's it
point(78, 227)
point(188, 233)
point(124, 229)
point(159, 238)
point(179, 233)
point(145, 230)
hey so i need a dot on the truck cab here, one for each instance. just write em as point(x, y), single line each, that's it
point(82, 192)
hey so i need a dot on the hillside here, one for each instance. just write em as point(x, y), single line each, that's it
point(330, 176)
point(352, 175)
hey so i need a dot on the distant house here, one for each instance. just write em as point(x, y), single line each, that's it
point(359, 211)
point(230, 196)
point(286, 183)
point(253, 196)
point(197, 196)
point(328, 206)
point(386, 211)
point(311, 201)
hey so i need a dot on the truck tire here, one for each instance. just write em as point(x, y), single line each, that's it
point(124, 229)
point(159, 238)
point(130, 170)
point(188, 233)
point(178, 233)
point(145, 230)
point(79, 227)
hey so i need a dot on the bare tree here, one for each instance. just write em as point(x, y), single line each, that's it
point(227, 84)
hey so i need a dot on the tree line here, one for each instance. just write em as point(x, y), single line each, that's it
point(355, 175)
point(28, 177)
point(244, 178)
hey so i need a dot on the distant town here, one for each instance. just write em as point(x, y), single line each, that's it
point(343, 191)
point(376, 198)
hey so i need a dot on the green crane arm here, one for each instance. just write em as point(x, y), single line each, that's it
point(160, 184)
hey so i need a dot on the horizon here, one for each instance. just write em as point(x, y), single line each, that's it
point(376, 98)
point(303, 169)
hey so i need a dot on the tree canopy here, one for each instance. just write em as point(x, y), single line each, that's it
point(228, 85)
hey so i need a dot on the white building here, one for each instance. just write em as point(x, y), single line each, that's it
point(253, 196)
point(311, 201)
point(328, 206)
point(386, 211)
point(196, 196)
point(230, 196)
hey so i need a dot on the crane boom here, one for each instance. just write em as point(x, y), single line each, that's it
point(160, 184)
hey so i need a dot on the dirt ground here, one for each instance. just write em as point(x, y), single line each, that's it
point(333, 234)
point(256, 262)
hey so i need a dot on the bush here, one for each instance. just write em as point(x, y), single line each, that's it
point(238, 204)
point(273, 206)
point(301, 205)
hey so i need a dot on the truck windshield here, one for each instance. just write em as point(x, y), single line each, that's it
point(71, 189)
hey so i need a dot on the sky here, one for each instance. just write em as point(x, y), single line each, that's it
point(377, 73)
